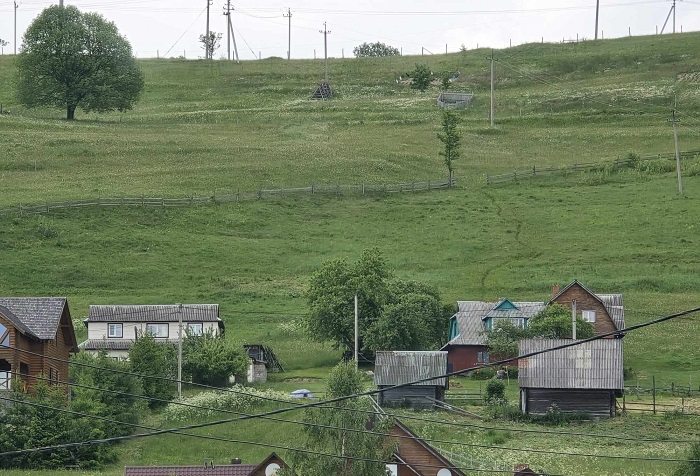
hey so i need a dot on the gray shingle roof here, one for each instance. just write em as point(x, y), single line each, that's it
point(37, 316)
point(592, 365)
point(398, 367)
point(470, 315)
point(154, 313)
point(109, 344)
point(221, 470)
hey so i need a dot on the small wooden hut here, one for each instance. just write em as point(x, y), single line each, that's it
point(426, 368)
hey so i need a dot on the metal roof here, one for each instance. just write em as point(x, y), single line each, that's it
point(109, 344)
point(154, 313)
point(36, 316)
point(591, 365)
point(399, 367)
point(470, 315)
point(616, 310)
point(201, 470)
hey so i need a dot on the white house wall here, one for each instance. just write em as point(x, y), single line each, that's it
point(98, 330)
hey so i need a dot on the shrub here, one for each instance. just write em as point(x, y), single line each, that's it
point(483, 374)
point(495, 392)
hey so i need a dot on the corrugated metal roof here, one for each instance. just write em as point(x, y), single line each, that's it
point(470, 315)
point(591, 365)
point(399, 367)
point(38, 315)
point(221, 470)
point(616, 310)
point(109, 344)
point(154, 313)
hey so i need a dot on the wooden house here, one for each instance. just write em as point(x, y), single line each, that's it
point(466, 347)
point(400, 367)
point(605, 311)
point(415, 457)
point(36, 338)
point(268, 467)
point(114, 328)
point(584, 378)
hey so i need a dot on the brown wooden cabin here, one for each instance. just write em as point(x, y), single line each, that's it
point(583, 378)
point(268, 467)
point(415, 457)
point(36, 338)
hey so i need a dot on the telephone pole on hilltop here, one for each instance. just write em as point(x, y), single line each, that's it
point(289, 40)
point(228, 30)
point(206, 36)
point(678, 152)
point(671, 11)
point(230, 34)
point(597, 10)
point(492, 87)
point(15, 42)
point(325, 47)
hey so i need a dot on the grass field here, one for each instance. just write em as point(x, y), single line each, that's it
point(202, 127)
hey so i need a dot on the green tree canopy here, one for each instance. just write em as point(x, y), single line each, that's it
point(71, 59)
point(159, 359)
point(449, 136)
point(394, 314)
point(420, 77)
point(210, 360)
point(330, 431)
point(374, 49)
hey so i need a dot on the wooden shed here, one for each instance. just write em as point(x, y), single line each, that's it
point(584, 378)
point(400, 367)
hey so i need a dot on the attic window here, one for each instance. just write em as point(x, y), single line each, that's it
point(115, 330)
point(588, 316)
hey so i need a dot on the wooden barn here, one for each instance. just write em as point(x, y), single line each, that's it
point(584, 378)
point(400, 367)
point(36, 337)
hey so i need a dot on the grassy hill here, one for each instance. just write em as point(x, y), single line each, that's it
point(202, 127)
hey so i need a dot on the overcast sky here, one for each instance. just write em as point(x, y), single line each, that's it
point(172, 27)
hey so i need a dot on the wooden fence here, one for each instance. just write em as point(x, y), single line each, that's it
point(535, 171)
point(228, 196)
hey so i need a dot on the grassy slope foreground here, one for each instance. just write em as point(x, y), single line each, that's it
point(205, 126)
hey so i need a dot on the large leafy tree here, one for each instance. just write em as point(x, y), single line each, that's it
point(342, 430)
point(71, 59)
point(375, 49)
point(209, 360)
point(393, 314)
point(157, 359)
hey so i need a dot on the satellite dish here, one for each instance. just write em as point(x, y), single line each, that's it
point(444, 472)
point(271, 469)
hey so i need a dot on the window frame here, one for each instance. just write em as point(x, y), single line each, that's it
point(189, 330)
point(117, 325)
point(167, 329)
point(588, 312)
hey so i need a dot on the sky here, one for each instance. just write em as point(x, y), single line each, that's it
point(171, 28)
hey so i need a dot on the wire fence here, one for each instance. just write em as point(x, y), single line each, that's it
point(229, 196)
point(535, 171)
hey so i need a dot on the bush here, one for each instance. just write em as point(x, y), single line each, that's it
point(495, 392)
point(483, 374)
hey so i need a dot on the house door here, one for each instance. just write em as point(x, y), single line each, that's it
point(5, 375)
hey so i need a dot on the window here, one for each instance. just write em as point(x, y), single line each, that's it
point(482, 357)
point(115, 330)
point(194, 328)
point(588, 316)
point(158, 330)
point(53, 376)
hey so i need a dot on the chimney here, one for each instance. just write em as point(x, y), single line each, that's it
point(236, 461)
point(555, 289)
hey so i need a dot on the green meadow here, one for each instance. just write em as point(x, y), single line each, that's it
point(203, 128)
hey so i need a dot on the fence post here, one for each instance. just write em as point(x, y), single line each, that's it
point(363, 188)
point(682, 405)
point(162, 202)
point(238, 194)
point(337, 189)
point(624, 403)
point(488, 182)
point(429, 187)
point(312, 188)
point(534, 172)
point(413, 186)
point(653, 392)
point(673, 389)
point(259, 194)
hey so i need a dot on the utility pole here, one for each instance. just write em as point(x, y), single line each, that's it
point(289, 40)
point(573, 319)
point(492, 87)
point(206, 37)
point(597, 10)
point(60, 3)
point(672, 10)
point(678, 152)
point(233, 37)
point(227, 13)
point(357, 335)
point(325, 47)
point(15, 44)
point(179, 351)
